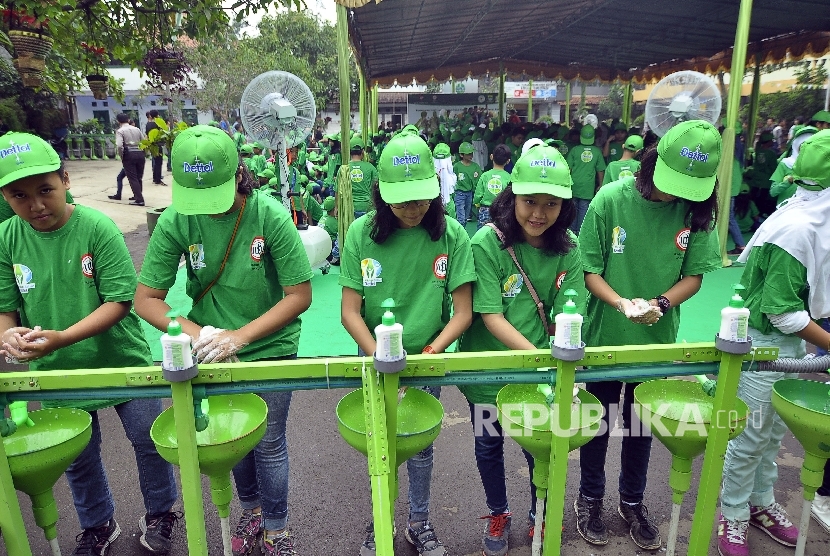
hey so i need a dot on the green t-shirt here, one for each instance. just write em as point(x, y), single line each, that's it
point(490, 184)
point(775, 282)
point(763, 166)
point(737, 178)
point(418, 273)
point(329, 224)
point(249, 163)
point(620, 169)
point(641, 248)
point(467, 175)
point(258, 163)
point(239, 139)
point(267, 255)
point(615, 151)
point(515, 152)
point(7, 212)
point(55, 279)
point(500, 288)
point(362, 175)
point(312, 207)
point(780, 189)
point(585, 161)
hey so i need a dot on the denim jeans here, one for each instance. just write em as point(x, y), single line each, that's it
point(359, 213)
point(463, 206)
point(262, 476)
point(749, 470)
point(636, 446)
point(88, 480)
point(734, 229)
point(489, 450)
point(581, 206)
point(483, 216)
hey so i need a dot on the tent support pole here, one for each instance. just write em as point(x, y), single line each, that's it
point(753, 103)
point(568, 103)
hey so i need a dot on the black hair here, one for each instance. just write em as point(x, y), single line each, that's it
point(742, 204)
point(701, 216)
point(501, 154)
point(355, 150)
point(153, 113)
point(556, 239)
point(384, 222)
point(248, 183)
point(122, 118)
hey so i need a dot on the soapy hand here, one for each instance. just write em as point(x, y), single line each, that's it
point(22, 345)
point(216, 345)
point(639, 311)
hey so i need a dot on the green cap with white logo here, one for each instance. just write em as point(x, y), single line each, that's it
point(465, 148)
point(687, 160)
point(23, 155)
point(542, 169)
point(441, 150)
point(406, 171)
point(204, 163)
point(587, 134)
point(633, 143)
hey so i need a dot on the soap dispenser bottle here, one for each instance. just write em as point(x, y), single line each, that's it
point(734, 319)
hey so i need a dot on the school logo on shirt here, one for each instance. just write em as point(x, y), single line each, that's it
point(560, 278)
point(512, 286)
point(587, 156)
point(563, 149)
point(257, 248)
point(494, 185)
point(439, 266)
point(370, 269)
point(625, 172)
point(612, 152)
point(23, 277)
point(682, 239)
point(197, 256)
point(356, 175)
point(475, 174)
point(618, 239)
point(460, 176)
point(762, 158)
point(86, 265)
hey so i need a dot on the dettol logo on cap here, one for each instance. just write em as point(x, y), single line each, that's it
point(197, 168)
point(694, 156)
point(15, 150)
point(406, 159)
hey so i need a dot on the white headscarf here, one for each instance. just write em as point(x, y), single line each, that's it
point(796, 146)
point(446, 177)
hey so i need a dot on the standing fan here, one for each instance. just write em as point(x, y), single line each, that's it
point(278, 109)
point(681, 96)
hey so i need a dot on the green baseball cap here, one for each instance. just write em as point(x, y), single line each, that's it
point(587, 134)
point(356, 143)
point(406, 171)
point(303, 179)
point(542, 169)
point(213, 123)
point(266, 173)
point(328, 204)
point(766, 136)
point(246, 149)
point(821, 116)
point(744, 187)
point(23, 155)
point(465, 148)
point(687, 161)
point(274, 182)
point(620, 127)
point(812, 167)
point(633, 143)
point(441, 151)
point(258, 145)
point(204, 163)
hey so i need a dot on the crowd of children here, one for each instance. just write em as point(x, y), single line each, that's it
point(622, 224)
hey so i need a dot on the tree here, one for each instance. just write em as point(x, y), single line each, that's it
point(611, 106)
point(805, 99)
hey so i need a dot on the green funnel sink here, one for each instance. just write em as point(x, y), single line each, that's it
point(39, 455)
point(525, 417)
point(678, 413)
point(237, 424)
point(804, 405)
point(419, 422)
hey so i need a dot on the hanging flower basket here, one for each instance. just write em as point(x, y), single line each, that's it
point(30, 43)
point(99, 85)
point(167, 68)
point(164, 66)
point(30, 70)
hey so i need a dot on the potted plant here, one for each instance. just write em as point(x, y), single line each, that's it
point(32, 43)
point(165, 66)
point(98, 81)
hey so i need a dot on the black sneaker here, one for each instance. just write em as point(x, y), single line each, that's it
point(589, 522)
point(157, 530)
point(496, 533)
point(424, 539)
point(368, 546)
point(97, 541)
point(644, 532)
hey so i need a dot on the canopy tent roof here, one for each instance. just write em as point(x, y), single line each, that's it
point(589, 39)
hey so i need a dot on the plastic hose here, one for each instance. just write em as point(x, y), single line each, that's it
point(801, 543)
point(536, 547)
point(791, 365)
point(56, 549)
point(671, 541)
point(225, 525)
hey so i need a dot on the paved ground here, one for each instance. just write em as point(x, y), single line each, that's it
point(329, 498)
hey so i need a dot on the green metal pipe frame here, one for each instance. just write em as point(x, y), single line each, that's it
point(732, 106)
point(568, 103)
point(380, 392)
point(753, 104)
point(501, 93)
point(530, 101)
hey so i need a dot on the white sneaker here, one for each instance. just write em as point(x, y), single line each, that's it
point(821, 511)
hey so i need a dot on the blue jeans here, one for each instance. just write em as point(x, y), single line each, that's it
point(581, 206)
point(734, 229)
point(636, 446)
point(88, 480)
point(489, 450)
point(359, 213)
point(262, 476)
point(483, 216)
point(749, 470)
point(463, 206)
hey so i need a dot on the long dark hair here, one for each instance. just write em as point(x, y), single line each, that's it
point(384, 222)
point(248, 183)
point(700, 215)
point(556, 239)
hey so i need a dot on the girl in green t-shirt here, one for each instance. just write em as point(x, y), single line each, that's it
point(532, 214)
point(645, 244)
point(247, 309)
point(409, 250)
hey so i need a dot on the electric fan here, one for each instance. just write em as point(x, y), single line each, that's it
point(681, 96)
point(278, 109)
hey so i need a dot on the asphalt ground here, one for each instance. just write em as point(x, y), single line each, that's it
point(329, 500)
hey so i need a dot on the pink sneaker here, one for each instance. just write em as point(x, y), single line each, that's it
point(732, 537)
point(773, 521)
